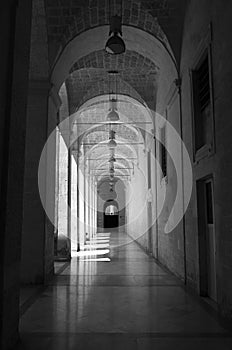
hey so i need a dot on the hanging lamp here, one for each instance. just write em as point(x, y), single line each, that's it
point(112, 144)
point(113, 115)
point(115, 44)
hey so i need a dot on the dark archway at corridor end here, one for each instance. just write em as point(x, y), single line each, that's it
point(111, 214)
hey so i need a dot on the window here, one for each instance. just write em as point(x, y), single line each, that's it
point(163, 151)
point(202, 107)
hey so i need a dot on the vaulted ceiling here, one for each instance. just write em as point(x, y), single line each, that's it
point(89, 77)
point(66, 18)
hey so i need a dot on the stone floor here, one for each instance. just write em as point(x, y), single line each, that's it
point(119, 298)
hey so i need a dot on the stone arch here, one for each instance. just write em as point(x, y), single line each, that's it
point(128, 60)
point(135, 39)
point(140, 112)
point(65, 20)
point(131, 151)
point(135, 74)
point(102, 88)
point(121, 160)
point(117, 163)
point(126, 131)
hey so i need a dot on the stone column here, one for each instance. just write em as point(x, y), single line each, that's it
point(74, 202)
point(85, 202)
point(69, 199)
point(78, 204)
point(15, 26)
point(154, 195)
point(81, 208)
point(91, 206)
point(57, 190)
point(95, 208)
point(33, 231)
point(50, 178)
point(149, 204)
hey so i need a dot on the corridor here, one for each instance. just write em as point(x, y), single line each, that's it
point(119, 300)
point(115, 175)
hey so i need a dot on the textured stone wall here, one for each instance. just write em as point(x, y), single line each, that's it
point(66, 19)
point(136, 199)
point(198, 18)
point(89, 76)
point(33, 230)
point(15, 23)
point(63, 188)
point(34, 223)
point(170, 245)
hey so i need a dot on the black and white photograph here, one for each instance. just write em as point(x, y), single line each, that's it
point(116, 175)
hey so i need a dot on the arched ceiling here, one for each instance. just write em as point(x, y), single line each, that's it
point(98, 155)
point(101, 133)
point(92, 117)
point(91, 134)
point(89, 77)
point(127, 61)
point(68, 18)
point(100, 168)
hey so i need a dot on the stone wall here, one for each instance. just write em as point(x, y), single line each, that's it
point(16, 25)
point(199, 17)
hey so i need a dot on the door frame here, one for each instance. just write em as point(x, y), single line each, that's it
point(202, 232)
point(114, 217)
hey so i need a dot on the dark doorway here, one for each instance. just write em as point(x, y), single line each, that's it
point(110, 221)
point(206, 238)
point(111, 216)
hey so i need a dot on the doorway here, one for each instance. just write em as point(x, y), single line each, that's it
point(111, 216)
point(206, 238)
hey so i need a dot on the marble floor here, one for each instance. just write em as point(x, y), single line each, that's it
point(114, 296)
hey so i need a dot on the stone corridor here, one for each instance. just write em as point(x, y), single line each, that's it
point(115, 175)
point(121, 299)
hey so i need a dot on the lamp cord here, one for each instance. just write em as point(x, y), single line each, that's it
point(109, 12)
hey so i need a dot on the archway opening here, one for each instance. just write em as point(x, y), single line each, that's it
point(141, 83)
point(111, 217)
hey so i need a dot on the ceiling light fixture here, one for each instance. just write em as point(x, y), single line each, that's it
point(115, 44)
point(113, 115)
point(112, 144)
